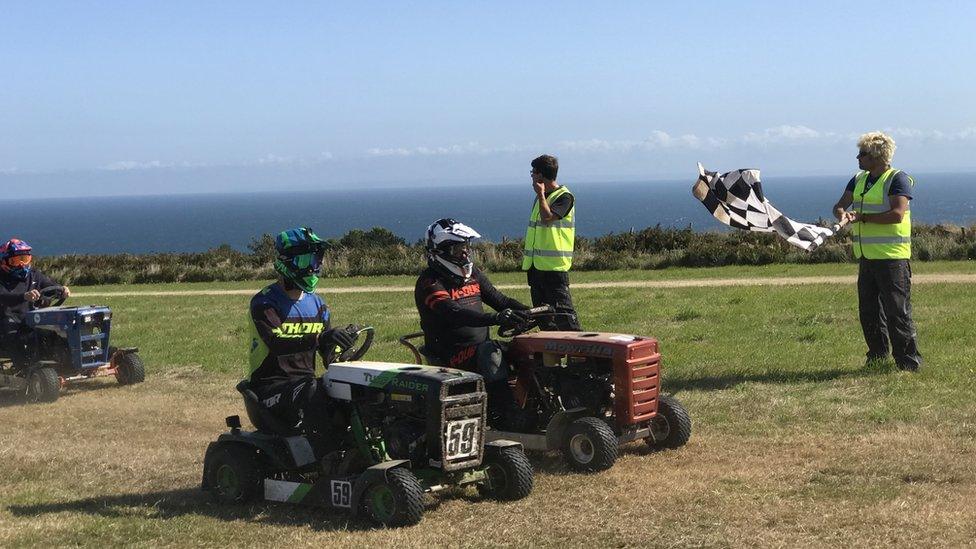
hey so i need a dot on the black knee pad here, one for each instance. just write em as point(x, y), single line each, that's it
point(491, 361)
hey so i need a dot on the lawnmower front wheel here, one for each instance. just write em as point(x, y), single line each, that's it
point(671, 427)
point(130, 369)
point(396, 500)
point(43, 385)
point(509, 474)
point(590, 445)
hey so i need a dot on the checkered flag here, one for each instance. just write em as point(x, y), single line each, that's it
point(736, 199)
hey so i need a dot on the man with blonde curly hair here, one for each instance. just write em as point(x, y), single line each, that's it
point(881, 226)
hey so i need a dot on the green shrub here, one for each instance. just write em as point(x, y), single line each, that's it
point(380, 252)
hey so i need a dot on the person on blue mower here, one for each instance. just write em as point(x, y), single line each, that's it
point(20, 292)
point(288, 324)
point(450, 295)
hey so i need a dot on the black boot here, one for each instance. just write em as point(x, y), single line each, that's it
point(501, 403)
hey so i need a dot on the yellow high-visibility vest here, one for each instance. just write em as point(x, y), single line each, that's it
point(880, 240)
point(549, 247)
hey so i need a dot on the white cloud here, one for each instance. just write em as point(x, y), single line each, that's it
point(470, 148)
point(932, 135)
point(657, 139)
point(783, 135)
point(269, 159)
point(904, 132)
point(125, 165)
point(778, 135)
point(968, 133)
point(388, 152)
point(590, 145)
point(278, 160)
point(787, 133)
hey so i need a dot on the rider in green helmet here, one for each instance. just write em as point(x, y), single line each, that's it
point(299, 259)
point(288, 324)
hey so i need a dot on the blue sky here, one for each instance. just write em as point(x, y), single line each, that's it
point(140, 97)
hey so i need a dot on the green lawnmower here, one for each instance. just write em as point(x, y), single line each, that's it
point(408, 431)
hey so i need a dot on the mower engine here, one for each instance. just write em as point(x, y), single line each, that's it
point(587, 384)
point(406, 438)
point(611, 375)
point(587, 392)
point(435, 417)
point(75, 337)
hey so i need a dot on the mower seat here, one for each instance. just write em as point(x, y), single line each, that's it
point(429, 357)
point(261, 417)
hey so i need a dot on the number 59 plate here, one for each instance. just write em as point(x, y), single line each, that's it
point(462, 438)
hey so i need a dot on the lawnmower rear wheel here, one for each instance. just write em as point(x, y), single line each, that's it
point(590, 445)
point(43, 385)
point(671, 428)
point(130, 369)
point(509, 474)
point(235, 475)
point(398, 500)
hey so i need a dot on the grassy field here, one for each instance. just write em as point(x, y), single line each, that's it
point(795, 443)
point(677, 273)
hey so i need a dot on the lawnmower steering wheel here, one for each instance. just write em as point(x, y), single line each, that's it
point(535, 315)
point(52, 296)
point(353, 352)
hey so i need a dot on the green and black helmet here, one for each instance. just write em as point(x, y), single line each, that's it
point(299, 258)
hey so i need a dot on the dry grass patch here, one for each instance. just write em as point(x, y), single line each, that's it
point(111, 465)
point(795, 442)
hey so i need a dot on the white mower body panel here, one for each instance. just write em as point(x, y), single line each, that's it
point(340, 376)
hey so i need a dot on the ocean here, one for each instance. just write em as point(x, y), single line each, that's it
point(197, 222)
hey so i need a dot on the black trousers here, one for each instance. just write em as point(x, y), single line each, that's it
point(13, 345)
point(884, 291)
point(552, 288)
point(301, 399)
point(486, 358)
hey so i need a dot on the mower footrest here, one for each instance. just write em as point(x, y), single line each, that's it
point(12, 382)
point(529, 441)
point(637, 434)
point(285, 491)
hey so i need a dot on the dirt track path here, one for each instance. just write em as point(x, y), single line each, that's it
point(685, 283)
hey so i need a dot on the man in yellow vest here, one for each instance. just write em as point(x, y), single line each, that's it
point(881, 229)
point(549, 239)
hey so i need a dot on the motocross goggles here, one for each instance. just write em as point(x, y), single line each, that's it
point(19, 261)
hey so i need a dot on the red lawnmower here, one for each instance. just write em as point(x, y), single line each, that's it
point(585, 393)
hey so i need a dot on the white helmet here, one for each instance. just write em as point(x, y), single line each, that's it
point(447, 251)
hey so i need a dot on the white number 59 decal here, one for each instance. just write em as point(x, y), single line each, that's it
point(341, 493)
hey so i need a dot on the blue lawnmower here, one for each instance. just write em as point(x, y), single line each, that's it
point(62, 345)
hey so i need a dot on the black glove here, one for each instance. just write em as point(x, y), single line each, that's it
point(337, 337)
point(511, 317)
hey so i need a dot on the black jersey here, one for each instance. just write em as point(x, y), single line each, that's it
point(452, 314)
point(13, 306)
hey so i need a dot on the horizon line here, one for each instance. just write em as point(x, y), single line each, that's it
point(386, 185)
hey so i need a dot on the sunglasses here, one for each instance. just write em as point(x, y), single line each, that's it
point(861, 154)
point(19, 261)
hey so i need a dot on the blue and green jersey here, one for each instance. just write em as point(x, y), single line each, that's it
point(284, 335)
